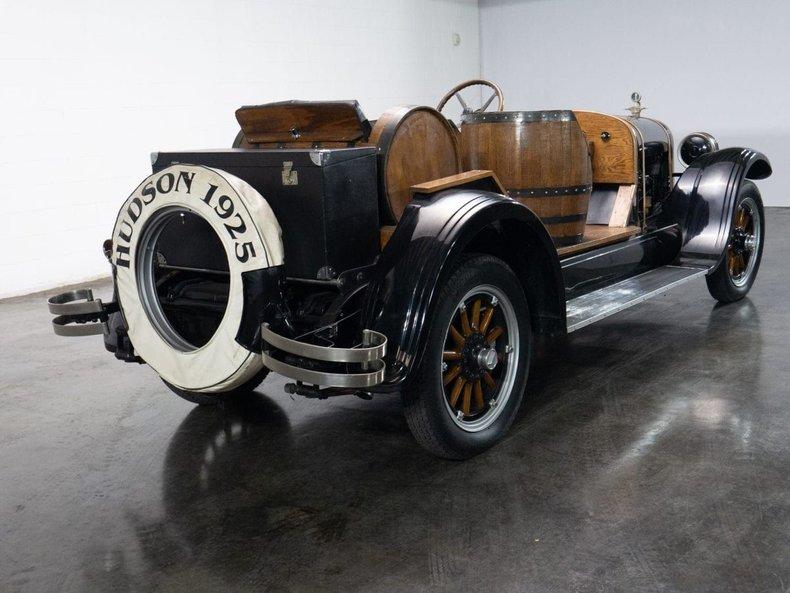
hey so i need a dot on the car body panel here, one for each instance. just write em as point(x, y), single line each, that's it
point(703, 200)
point(429, 239)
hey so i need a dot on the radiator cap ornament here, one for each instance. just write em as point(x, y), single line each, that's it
point(636, 109)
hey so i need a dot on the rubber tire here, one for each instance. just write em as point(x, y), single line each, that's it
point(215, 399)
point(720, 284)
point(222, 364)
point(423, 397)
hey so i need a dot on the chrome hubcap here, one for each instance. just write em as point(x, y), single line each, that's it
point(487, 359)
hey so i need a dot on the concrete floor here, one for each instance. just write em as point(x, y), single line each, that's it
point(653, 454)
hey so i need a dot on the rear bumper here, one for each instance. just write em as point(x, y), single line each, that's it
point(355, 368)
point(358, 367)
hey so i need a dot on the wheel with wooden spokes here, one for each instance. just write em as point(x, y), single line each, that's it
point(471, 379)
point(481, 340)
point(732, 279)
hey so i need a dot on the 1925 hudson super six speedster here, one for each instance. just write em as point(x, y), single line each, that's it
point(410, 254)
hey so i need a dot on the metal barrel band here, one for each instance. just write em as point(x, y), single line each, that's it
point(545, 192)
point(518, 117)
point(563, 219)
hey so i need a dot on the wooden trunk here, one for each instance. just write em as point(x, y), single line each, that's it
point(542, 159)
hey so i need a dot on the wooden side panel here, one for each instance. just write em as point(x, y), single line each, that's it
point(596, 235)
point(416, 144)
point(303, 122)
point(613, 160)
point(622, 206)
point(461, 179)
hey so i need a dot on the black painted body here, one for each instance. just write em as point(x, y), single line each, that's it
point(702, 201)
point(435, 232)
point(655, 162)
point(596, 269)
point(329, 217)
point(430, 238)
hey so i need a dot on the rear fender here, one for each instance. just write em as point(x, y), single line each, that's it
point(702, 202)
point(432, 235)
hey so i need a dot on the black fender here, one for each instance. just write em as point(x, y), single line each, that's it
point(702, 202)
point(431, 236)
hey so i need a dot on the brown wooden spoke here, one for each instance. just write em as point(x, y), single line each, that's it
point(741, 219)
point(457, 337)
point(487, 317)
point(467, 402)
point(465, 327)
point(456, 392)
point(476, 315)
point(451, 374)
point(479, 401)
point(735, 262)
point(489, 380)
point(731, 261)
point(494, 334)
point(741, 263)
point(451, 355)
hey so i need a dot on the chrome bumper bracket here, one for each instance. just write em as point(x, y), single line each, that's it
point(78, 314)
point(359, 367)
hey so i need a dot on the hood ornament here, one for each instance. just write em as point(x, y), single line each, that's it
point(636, 109)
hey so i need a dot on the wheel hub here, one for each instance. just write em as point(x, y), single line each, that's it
point(743, 241)
point(487, 359)
point(477, 357)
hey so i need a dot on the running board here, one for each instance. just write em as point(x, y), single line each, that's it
point(597, 305)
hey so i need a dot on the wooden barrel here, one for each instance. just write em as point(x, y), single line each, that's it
point(542, 159)
point(415, 144)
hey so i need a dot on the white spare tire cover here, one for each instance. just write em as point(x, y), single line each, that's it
point(251, 236)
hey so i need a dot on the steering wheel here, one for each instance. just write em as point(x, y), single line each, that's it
point(456, 92)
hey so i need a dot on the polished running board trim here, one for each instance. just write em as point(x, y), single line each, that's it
point(597, 305)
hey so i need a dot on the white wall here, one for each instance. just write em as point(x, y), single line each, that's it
point(717, 65)
point(88, 88)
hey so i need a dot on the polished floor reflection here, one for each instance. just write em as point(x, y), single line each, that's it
point(653, 455)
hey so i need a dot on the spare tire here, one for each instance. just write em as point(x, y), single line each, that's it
point(247, 236)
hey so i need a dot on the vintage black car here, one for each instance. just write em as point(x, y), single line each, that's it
point(412, 255)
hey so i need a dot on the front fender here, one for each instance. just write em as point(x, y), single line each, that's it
point(702, 202)
point(428, 240)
